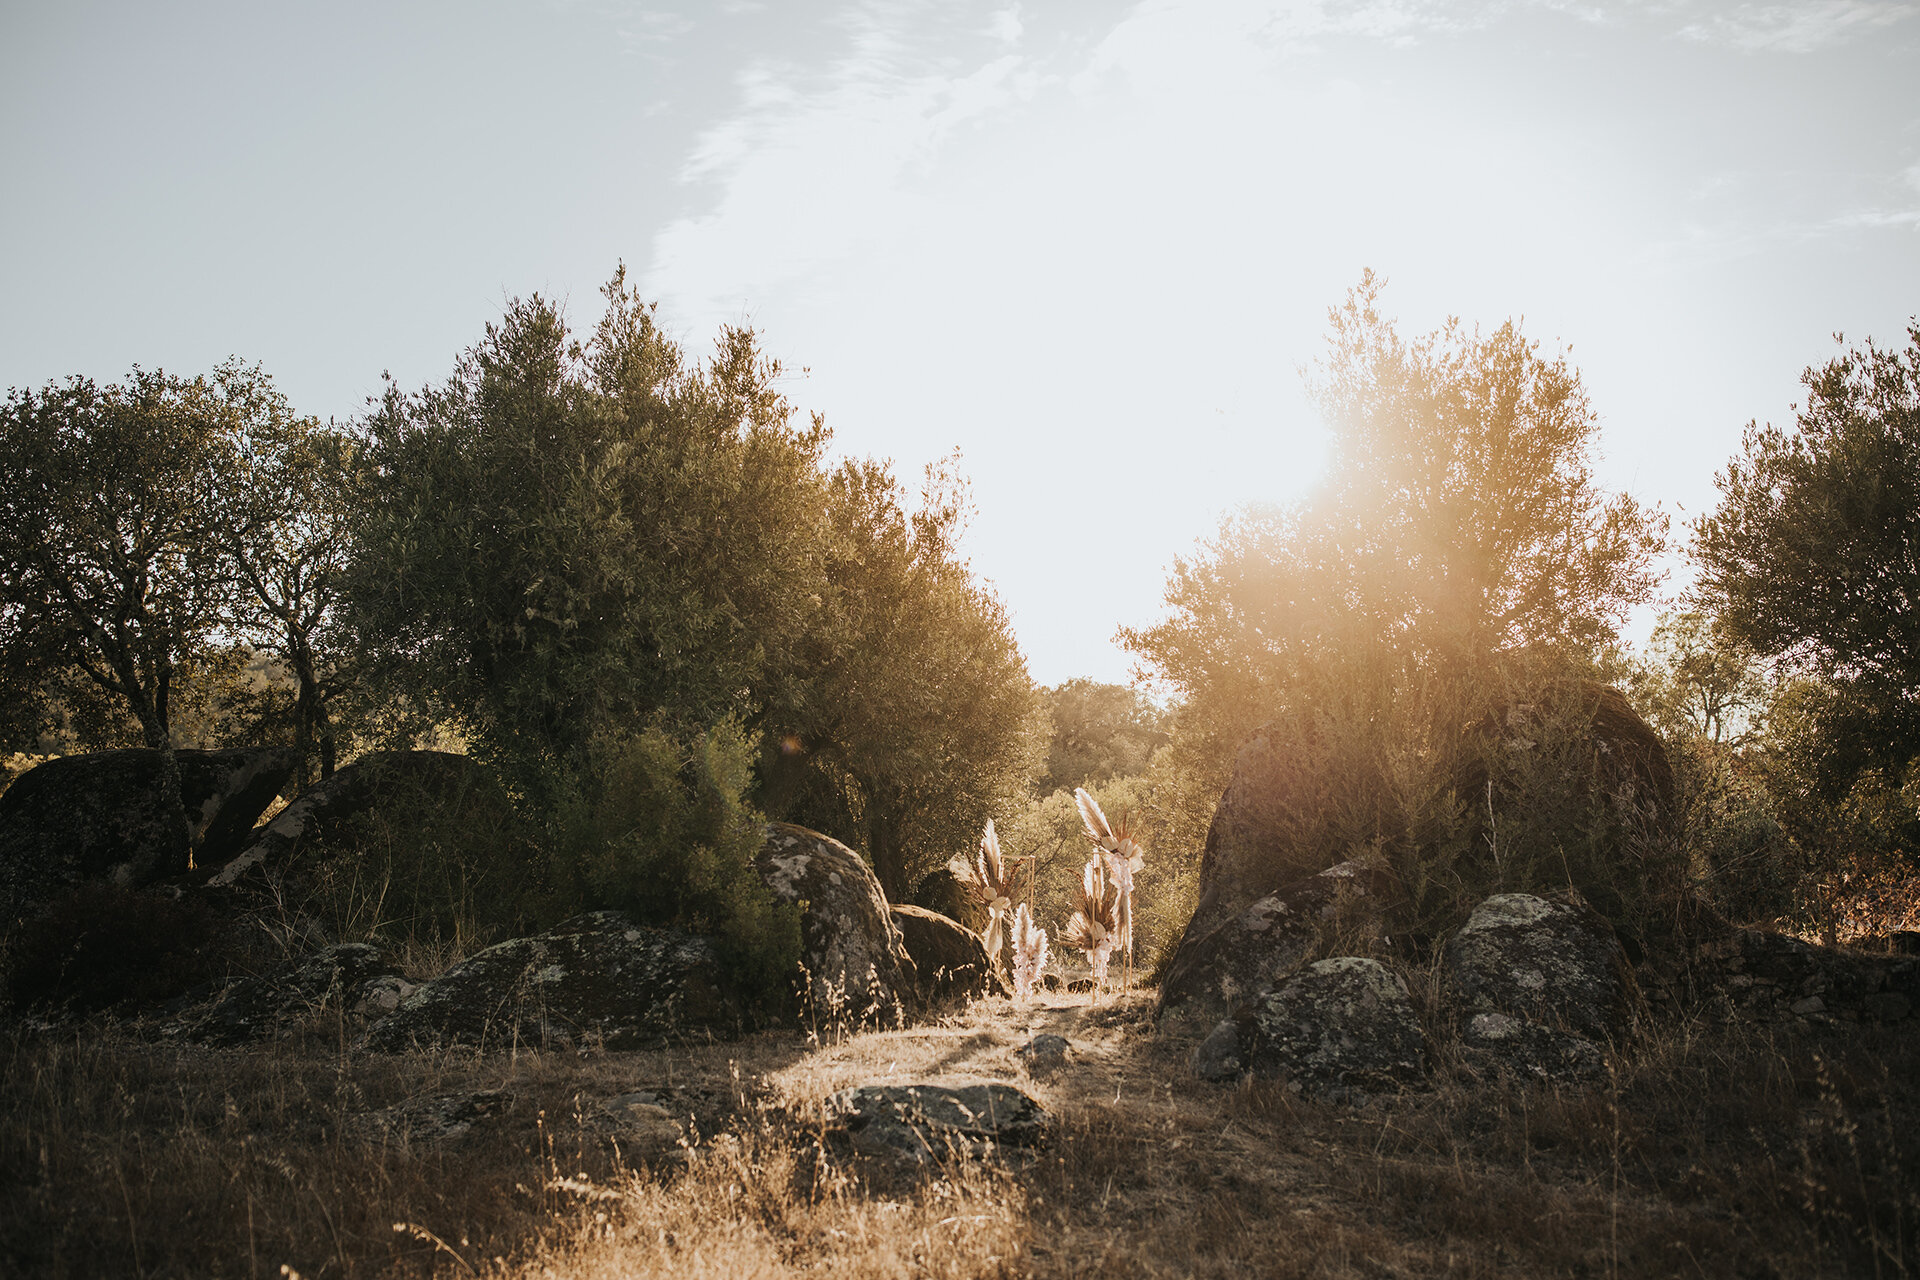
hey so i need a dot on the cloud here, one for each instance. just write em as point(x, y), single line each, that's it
point(1796, 28)
point(653, 27)
point(1105, 253)
point(816, 166)
point(1212, 40)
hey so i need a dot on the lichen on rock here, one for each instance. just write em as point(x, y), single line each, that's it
point(856, 966)
point(596, 978)
point(1340, 1028)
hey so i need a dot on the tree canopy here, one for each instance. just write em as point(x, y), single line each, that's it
point(1695, 682)
point(1460, 518)
point(278, 501)
point(1100, 731)
point(106, 554)
point(914, 720)
point(575, 538)
point(567, 535)
point(1813, 556)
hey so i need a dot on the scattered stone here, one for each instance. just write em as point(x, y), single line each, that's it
point(921, 1123)
point(109, 816)
point(270, 1004)
point(1339, 1029)
point(1756, 975)
point(1557, 964)
point(1810, 1005)
point(950, 958)
point(596, 978)
point(380, 996)
point(1217, 1058)
point(1044, 1054)
point(326, 815)
point(641, 1125)
point(1759, 976)
point(1495, 1042)
point(1339, 911)
point(436, 1121)
point(857, 967)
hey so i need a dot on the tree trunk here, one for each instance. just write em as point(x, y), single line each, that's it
point(303, 729)
point(884, 847)
point(326, 743)
point(312, 723)
point(150, 710)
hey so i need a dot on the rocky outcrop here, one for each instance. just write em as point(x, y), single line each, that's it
point(1496, 1043)
point(950, 958)
point(98, 946)
point(351, 977)
point(1250, 841)
point(1044, 1055)
point(1755, 975)
point(598, 978)
point(433, 1121)
point(380, 782)
point(111, 816)
point(1540, 986)
point(1627, 757)
point(856, 965)
point(1274, 825)
point(921, 1123)
point(1554, 963)
point(1340, 1029)
point(1340, 911)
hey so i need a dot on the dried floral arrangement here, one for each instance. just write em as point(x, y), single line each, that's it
point(1029, 952)
point(990, 878)
point(1120, 858)
point(1095, 926)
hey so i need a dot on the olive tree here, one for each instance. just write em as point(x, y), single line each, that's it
point(1813, 557)
point(1459, 565)
point(913, 720)
point(107, 563)
point(279, 507)
point(569, 535)
point(1460, 518)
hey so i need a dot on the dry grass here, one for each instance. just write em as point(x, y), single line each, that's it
point(1714, 1152)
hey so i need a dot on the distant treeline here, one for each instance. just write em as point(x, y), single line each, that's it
point(632, 584)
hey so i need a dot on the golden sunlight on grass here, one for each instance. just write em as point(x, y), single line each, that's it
point(1715, 1150)
point(757, 1206)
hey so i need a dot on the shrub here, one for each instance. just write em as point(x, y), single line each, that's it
point(443, 859)
point(657, 824)
point(102, 946)
point(1578, 794)
point(1165, 808)
point(1519, 774)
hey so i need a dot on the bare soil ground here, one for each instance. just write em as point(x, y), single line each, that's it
point(1713, 1151)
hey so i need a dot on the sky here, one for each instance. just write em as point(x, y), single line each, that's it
point(1091, 247)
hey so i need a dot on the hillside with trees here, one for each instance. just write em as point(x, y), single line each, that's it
point(580, 714)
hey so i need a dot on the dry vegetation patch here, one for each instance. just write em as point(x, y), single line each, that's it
point(1711, 1151)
